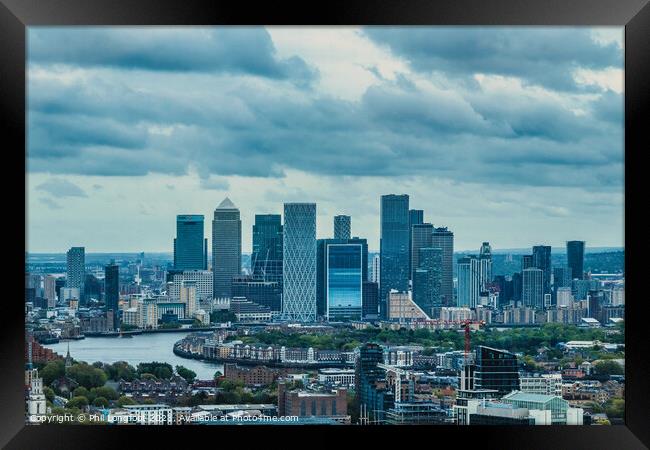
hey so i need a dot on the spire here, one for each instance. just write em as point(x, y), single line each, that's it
point(226, 204)
point(68, 358)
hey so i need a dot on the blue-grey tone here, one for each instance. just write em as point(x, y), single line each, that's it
point(299, 262)
point(393, 247)
point(190, 247)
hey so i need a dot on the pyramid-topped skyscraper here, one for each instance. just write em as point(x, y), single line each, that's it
point(226, 248)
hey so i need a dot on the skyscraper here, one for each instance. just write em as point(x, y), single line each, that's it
point(421, 237)
point(444, 239)
point(344, 281)
point(266, 260)
point(464, 281)
point(299, 262)
point(49, 289)
point(532, 290)
point(416, 216)
point(190, 246)
point(370, 300)
point(226, 248)
point(322, 264)
point(526, 262)
point(427, 280)
point(542, 260)
point(496, 369)
point(393, 247)
point(342, 227)
point(375, 270)
point(485, 266)
point(112, 291)
point(76, 269)
point(575, 252)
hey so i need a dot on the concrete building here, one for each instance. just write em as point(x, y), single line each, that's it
point(304, 403)
point(545, 384)
point(402, 307)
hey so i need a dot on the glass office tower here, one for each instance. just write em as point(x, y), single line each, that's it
point(226, 248)
point(342, 227)
point(299, 262)
point(344, 281)
point(190, 245)
point(266, 260)
point(575, 252)
point(393, 247)
point(76, 269)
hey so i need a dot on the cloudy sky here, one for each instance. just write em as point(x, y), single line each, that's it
point(511, 135)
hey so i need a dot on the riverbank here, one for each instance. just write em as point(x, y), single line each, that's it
point(257, 362)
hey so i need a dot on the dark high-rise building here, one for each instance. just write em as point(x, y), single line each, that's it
point(575, 253)
point(342, 227)
point(93, 287)
point(266, 260)
point(496, 369)
point(373, 396)
point(427, 280)
point(299, 262)
point(416, 217)
point(516, 287)
point(344, 281)
point(76, 269)
point(112, 291)
point(58, 284)
point(393, 247)
point(542, 260)
point(190, 246)
point(527, 262)
point(444, 239)
point(562, 277)
point(532, 290)
point(226, 248)
point(321, 268)
point(505, 289)
point(370, 300)
point(596, 301)
point(265, 293)
point(421, 237)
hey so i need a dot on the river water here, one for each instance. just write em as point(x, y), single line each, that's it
point(139, 348)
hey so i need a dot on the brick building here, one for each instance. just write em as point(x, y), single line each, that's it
point(253, 376)
point(303, 403)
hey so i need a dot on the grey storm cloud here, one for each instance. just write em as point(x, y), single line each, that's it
point(241, 50)
point(60, 188)
point(101, 126)
point(536, 55)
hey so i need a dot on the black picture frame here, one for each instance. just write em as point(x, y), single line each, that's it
point(16, 15)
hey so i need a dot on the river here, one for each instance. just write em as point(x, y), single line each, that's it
point(140, 348)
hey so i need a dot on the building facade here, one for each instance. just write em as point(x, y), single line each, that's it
point(393, 247)
point(299, 262)
point(190, 245)
point(342, 227)
point(226, 248)
point(444, 239)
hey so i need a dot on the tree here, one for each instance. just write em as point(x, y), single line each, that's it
point(608, 367)
point(77, 402)
point(100, 402)
point(615, 408)
point(123, 400)
point(49, 394)
point(106, 392)
point(158, 369)
point(81, 392)
point(87, 375)
point(52, 370)
point(186, 373)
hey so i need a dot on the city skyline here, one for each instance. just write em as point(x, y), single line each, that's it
point(120, 140)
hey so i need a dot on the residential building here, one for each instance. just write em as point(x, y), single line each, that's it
point(76, 269)
point(299, 262)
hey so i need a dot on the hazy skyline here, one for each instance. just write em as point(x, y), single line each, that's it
point(510, 135)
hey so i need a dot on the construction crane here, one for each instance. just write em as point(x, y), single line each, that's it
point(466, 325)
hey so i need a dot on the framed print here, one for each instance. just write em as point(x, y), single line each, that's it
point(278, 223)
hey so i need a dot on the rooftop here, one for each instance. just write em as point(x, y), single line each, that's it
point(226, 204)
point(528, 397)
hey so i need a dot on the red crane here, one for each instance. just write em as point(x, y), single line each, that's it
point(466, 324)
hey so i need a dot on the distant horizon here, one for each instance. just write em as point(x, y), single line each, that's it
point(516, 251)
